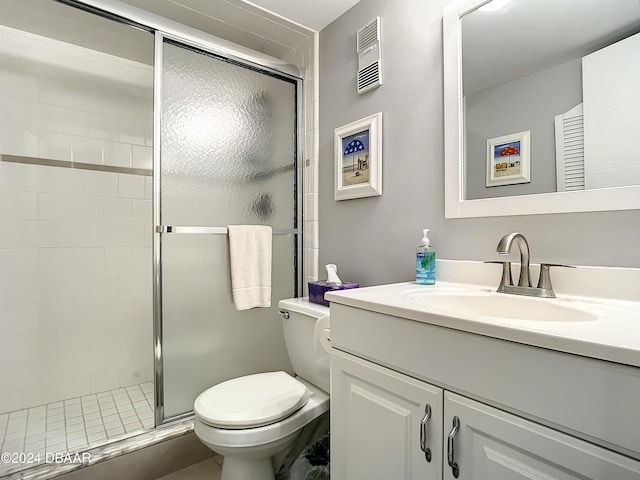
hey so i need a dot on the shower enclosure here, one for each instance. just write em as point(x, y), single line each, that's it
point(124, 154)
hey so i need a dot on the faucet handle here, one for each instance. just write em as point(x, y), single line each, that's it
point(545, 279)
point(506, 279)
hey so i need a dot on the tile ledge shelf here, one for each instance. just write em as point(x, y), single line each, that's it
point(107, 451)
point(47, 162)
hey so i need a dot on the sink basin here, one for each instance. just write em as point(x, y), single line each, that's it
point(499, 305)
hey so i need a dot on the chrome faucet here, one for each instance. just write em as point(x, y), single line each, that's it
point(544, 288)
point(504, 247)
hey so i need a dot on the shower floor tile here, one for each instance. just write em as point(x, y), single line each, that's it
point(75, 424)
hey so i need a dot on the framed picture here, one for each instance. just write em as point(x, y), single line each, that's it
point(358, 158)
point(508, 160)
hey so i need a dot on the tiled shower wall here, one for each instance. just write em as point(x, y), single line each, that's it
point(75, 244)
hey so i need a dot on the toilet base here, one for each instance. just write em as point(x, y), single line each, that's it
point(259, 469)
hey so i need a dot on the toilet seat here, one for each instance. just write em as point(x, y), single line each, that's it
point(251, 401)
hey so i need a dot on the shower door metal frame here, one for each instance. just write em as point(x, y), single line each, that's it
point(160, 228)
point(189, 37)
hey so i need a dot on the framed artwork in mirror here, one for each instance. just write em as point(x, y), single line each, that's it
point(508, 159)
point(358, 158)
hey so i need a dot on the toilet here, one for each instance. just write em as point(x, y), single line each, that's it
point(252, 419)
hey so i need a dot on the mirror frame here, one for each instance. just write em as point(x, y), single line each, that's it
point(605, 199)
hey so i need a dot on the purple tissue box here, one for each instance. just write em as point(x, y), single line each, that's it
point(318, 289)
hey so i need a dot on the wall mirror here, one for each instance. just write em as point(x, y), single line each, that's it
point(542, 106)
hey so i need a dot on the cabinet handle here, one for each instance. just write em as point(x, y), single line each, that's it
point(450, 448)
point(423, 432)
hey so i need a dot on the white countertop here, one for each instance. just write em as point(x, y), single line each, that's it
point(612, 334)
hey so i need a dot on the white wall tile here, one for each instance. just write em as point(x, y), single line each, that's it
point(142, 259)
point(18, 115)
point(101, 382)
point(18, 205)
point(75, 338)
point(19, 318)
point(310, 206)
point(117, 154)
point(24, 374)
point(87, 150)
point(14, 141)
point(87, 208)
point(102, 184)
point(55, 234)
point(57, 368)
point(133, 376)
point(131, 186)
point(88, 260)
point(89, 362)
point(148, 235)
point(63, 287)
point(136, 308)
point(311, 261)
point(135, 283)
point(55, 206)
point(43, 179)
point(133, 234)
point(61, 259)
point(55, 146)
point(141, 211)
point(102, 126)
point(71, 388)
point(148, 188)
point(142, 157)
point(118, 357)
point(54, 92)
point(311, 179)
point(117, 210)
point(95, 234)
point(18, 233)
point(16, 85)
point(9, 176)
point(59, 119)
point(40, 395)
point(65, 181)
point(133, 132)
point(118, 259)
point(19, 290)
point(310, 235)
point(104, 285)
point(19, 261)
point(56, 260)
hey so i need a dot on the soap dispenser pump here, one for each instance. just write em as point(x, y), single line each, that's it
point(425, 261)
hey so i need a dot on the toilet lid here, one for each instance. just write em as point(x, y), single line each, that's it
point(251, 401)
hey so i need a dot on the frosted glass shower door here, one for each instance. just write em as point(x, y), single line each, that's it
point(228, 156)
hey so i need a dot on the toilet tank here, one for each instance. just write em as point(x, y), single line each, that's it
point(309, 357)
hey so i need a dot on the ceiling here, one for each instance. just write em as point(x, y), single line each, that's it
point(526, 36)
point(312, 14)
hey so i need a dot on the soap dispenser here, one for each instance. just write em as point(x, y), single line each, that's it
point(425, 261)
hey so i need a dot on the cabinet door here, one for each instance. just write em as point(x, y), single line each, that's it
point(492, 444)
point(376, 417)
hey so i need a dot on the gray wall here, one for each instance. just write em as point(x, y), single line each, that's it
point(372, 240)
point(532, 102)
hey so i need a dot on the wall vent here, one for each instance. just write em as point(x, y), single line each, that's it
point(369, 56)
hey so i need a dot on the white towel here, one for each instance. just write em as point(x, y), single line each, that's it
point(250, 258)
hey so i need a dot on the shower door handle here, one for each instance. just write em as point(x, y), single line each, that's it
point(212, 230)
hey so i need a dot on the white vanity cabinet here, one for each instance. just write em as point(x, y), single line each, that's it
point(381, 420)
point(523, 412)
point(492, 444)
